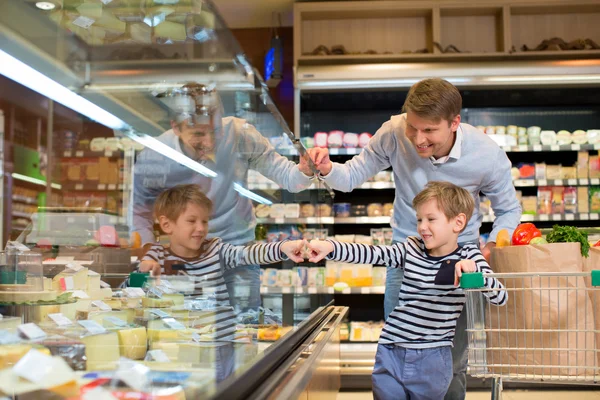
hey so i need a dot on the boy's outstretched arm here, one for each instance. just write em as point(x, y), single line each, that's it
point(261, 253)
point(356, 253)
point(498, 294)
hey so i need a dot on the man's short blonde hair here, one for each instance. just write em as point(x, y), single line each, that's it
point(433, 99)
point(451, 199)
point(172, 202)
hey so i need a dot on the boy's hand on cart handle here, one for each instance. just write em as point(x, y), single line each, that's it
point(294, 249)
point(318, 249)
point(150, 266)
point(463, 266)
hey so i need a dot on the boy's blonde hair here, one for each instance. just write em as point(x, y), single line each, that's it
point(172, 202)
point(433, 99)
point(451, 199)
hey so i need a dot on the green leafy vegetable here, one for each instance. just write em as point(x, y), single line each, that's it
point(568, 234)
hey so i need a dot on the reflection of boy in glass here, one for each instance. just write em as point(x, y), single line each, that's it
point(228, 146)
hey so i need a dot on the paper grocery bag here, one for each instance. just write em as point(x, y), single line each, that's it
point(546, 330)
point(589, 264)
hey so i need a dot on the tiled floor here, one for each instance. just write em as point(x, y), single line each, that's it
point(507, 395)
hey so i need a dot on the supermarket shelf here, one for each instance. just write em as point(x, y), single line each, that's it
point(320, 290)
point(366, 185)
point(555, 182)
point(93, 187)
point(24, 199)
point(552, 217)
point(555, 147)
point(20, 214)
point(386, 220)
point(91, 154)
point(509, 149)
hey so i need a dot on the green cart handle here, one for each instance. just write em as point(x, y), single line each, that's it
point(472, 280)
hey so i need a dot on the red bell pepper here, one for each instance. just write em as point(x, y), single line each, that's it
point(524, 233)
point(597, 244)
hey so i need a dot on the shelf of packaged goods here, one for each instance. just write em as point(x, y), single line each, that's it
point(24, 199)
point(366, 185)
point(93, 187)
point(552, 217)
point(325, 220)
point(386, 220)
point(523, 148)
point(20, 214)
point(320, 290)
point(91, 154)
point(555, 182)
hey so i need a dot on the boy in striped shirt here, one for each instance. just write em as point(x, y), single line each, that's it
point(414, 359)
point(183, 213)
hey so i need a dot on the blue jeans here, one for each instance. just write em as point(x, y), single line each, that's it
point(458, 386)
point(415, 374)
point(243, 285)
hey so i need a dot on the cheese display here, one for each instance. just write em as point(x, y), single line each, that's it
point(102, 351)
point(151, 302)
point(70, 280)
point(133, 342)
point(12, 353)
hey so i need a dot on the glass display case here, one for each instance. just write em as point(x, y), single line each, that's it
point(104, 106)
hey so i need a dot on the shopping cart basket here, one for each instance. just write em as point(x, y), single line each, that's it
point(549, 330)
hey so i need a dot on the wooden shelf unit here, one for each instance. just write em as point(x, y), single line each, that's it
point(396, 29)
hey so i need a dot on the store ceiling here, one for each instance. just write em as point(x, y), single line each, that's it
point(255, 13)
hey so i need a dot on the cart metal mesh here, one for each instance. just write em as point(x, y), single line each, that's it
point(548, 331)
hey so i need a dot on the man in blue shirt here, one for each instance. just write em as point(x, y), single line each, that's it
point(429, 143)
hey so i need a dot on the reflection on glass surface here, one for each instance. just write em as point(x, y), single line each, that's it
point(108, 104)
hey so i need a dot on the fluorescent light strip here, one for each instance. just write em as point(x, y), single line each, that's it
point(36, 181)
point(251, 195)
point(544, 78)
point(25, 75)
point(371, 82)
point(161, 148)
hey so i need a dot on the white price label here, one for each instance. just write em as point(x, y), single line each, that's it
point(569, 217)
point(101, 305)
point(330, 290)
point(79, 186)
point(31, 331)
point(33, 366)
point(594, 216)
point(523, 147)
point(584, 216)
point(102, 186)
point(286, 290)
point(67, 154)
point(60, 320)
point(572, 182)
point(121, 186)
point(575, 147)
point(537, 147)
point(108, 153)
point(584, 182)
point(596, 146)
point(112, 186)
point(157, 355)
point(92, 327)
point(542, 182)
point(105, 285)
point(159, 313)
point(365, 290)
point(98, 393)
point(555, 147)
point(544, 217)
point(115, 321)
point(85, 23)
point(134, 374)
point(196, 337)
point(157, 292)
point(78, 153)
point(74, 266)
point(595, 181)
point(312, 290)
point(7, 337)
point(279, 220)
point(557, 217)
point(80, 294)
point(134, 292)
point(173, 323)
point(347, 291)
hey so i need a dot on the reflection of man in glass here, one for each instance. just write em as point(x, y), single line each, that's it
point(228, 146)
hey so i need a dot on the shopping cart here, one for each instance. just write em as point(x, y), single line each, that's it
point(549, 330)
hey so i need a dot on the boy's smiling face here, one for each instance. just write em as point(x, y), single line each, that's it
point(189, 231)
point(439, 233)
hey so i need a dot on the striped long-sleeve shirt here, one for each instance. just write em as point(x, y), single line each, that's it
point(429, 304)
point(207, 271)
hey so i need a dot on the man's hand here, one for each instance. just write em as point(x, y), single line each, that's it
point(150, 266)
point(304, 166)
point(320, 157)
point(463, 266)
point(318, 249)
point(487, 251)
point(294, 249)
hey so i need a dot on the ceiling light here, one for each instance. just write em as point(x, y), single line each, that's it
point(45, 5)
